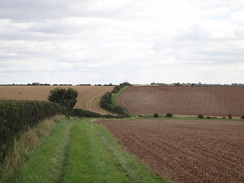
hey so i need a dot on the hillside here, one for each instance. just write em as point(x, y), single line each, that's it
point(88, 98)
point(214, 100)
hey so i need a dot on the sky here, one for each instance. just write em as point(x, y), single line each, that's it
point(112, 41)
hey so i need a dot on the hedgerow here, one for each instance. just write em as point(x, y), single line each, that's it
point(120, 86)
point(84, 113)
point(89, 114)
point(18, 116)
point(107, 103)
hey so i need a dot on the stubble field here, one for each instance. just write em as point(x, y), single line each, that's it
point(88, 98)
point(214, 100)
point(185, 150)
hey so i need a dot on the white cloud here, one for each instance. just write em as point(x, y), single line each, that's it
point(112, 41)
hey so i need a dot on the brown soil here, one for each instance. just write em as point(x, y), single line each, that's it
point(215, 101)
point(88, 98)
point(186, 151)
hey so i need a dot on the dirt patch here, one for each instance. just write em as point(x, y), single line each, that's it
point(215, 101)
point(186, 150)
point(88, 98)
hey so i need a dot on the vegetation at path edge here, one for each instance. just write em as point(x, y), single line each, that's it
point(81, 151)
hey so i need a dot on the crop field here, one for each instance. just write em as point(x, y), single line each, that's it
point(88, 98)
point(185, 150)
point(214, 100)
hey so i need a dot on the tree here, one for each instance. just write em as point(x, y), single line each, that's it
point(64, 97)
point(155, 115)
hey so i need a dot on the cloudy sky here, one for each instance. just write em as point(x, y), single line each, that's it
point(111, 41)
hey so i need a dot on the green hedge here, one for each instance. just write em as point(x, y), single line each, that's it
point(89, 114)
point(107, 104)
point(84, 113)
point(17, 116)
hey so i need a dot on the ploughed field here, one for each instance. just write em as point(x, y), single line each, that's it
point(88, 98)
point(212, 100)
point(185, 151)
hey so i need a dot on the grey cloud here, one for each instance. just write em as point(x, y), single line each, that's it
point(126, 39)
point(25, 10)
point(29, 10)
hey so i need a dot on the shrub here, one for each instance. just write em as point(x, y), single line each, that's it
point(242, 117)
point(155, 115)
point(84, 113)
point(17, 116)
point(121, 85)
point(200, 116)
point(169, 115)
point(230, 116)
point(107, 104)
point(64, 97)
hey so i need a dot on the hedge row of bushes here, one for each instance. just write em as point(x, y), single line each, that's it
point(107, 104)
point(120, 86)
point(17, 116)
point(209, 117)
point(89, 114)
point(168, 115)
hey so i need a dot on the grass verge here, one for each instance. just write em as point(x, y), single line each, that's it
point(45, 163)
point(81, 151)
point(19, 153)
point(95, 156)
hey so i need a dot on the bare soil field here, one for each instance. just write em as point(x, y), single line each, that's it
point(215, 101)
point(88, 98)
point(185, 151)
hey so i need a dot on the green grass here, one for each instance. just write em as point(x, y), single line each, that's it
point(81, 151)
point(115, 95)
point(95, 156)
point(89, 160)
point(45, 163)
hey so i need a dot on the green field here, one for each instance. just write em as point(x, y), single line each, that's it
point(79, 150)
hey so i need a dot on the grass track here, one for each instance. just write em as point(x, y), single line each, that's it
point(44, 164)
point(82, 151)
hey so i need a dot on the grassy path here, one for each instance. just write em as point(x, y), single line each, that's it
point(45, 163)
point(82, 151)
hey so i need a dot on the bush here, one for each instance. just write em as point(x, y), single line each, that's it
point(17, 116)
point(230, 116)
point(242, 117)
point(107, 104)
point(169, 115)
point(200, 116)
point(64, 97)
point(84, 113)
point(89, 114)
point(121, 85)
point(155, 115)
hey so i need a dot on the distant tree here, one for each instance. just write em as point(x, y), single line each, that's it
point(169, 115)
point(155, 115)
point(64, 97)
point(200, 116)
point(230, 116)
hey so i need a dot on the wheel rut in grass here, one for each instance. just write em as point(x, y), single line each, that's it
point(46, 163)
point(59, 161)
point(131, 167)
point(118, 156)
